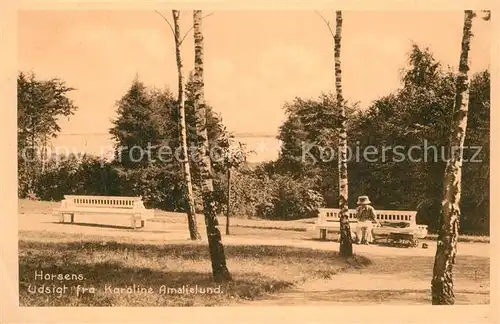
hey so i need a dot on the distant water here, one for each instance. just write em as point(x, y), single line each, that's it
point(265, 148)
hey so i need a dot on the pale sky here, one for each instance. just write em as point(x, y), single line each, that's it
point(255, 61)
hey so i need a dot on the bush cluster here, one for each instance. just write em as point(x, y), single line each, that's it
point(253, 193)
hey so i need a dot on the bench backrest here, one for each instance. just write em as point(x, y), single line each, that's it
point(391, 216)
point(104, 202)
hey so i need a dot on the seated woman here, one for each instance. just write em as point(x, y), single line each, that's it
point(366, 216)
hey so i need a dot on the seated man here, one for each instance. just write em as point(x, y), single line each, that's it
point(365, 214)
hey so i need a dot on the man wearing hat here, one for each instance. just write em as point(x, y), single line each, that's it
point(366, 215)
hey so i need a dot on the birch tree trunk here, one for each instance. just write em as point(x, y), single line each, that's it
point(345, 249)
point(442, 278)
point(220, 271)
point(33, 162)
point(43, 154)
point(228, 211)
point(191, 213)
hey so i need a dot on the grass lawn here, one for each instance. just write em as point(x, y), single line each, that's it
point(123, 263)
point(299, 226)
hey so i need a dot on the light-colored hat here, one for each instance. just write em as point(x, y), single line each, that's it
point(364, 200)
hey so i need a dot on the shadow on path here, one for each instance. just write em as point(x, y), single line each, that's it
point(356, 297)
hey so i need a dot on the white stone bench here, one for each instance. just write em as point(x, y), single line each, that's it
point(133, 207)
point(328, 220)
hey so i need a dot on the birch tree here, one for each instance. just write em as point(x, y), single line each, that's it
point(345, 228)
point(442, 278)
point(345, 248)
point(220, 271)
point(191, 212)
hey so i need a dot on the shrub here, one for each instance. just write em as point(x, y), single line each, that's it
point(58, 179)
point(275, 197)
point(89, 175)
point(95, 176)
point(265, 210)
point(294, 198)
point(254, 193)
point(248, 191)
point(159, 185)
point(22, 179)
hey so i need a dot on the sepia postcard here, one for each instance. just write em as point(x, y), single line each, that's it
point(231, 162)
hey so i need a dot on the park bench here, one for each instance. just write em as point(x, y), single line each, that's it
point(395, 225)
point(133, 207)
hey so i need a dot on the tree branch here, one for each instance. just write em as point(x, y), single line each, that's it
point(193, 26)
point(168, 22)
point(327, 23)
point(486, 15)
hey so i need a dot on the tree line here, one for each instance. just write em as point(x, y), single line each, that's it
point(419, 115)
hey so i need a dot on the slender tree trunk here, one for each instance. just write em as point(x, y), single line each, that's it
point(442, 278)
point(220, 271)
point(191, 212)
point(44, 153)
point(33, 174)
point(345, 228)
point(228, 211)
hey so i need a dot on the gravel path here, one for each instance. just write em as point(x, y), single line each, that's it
point(368, 289)
point(176, 232)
